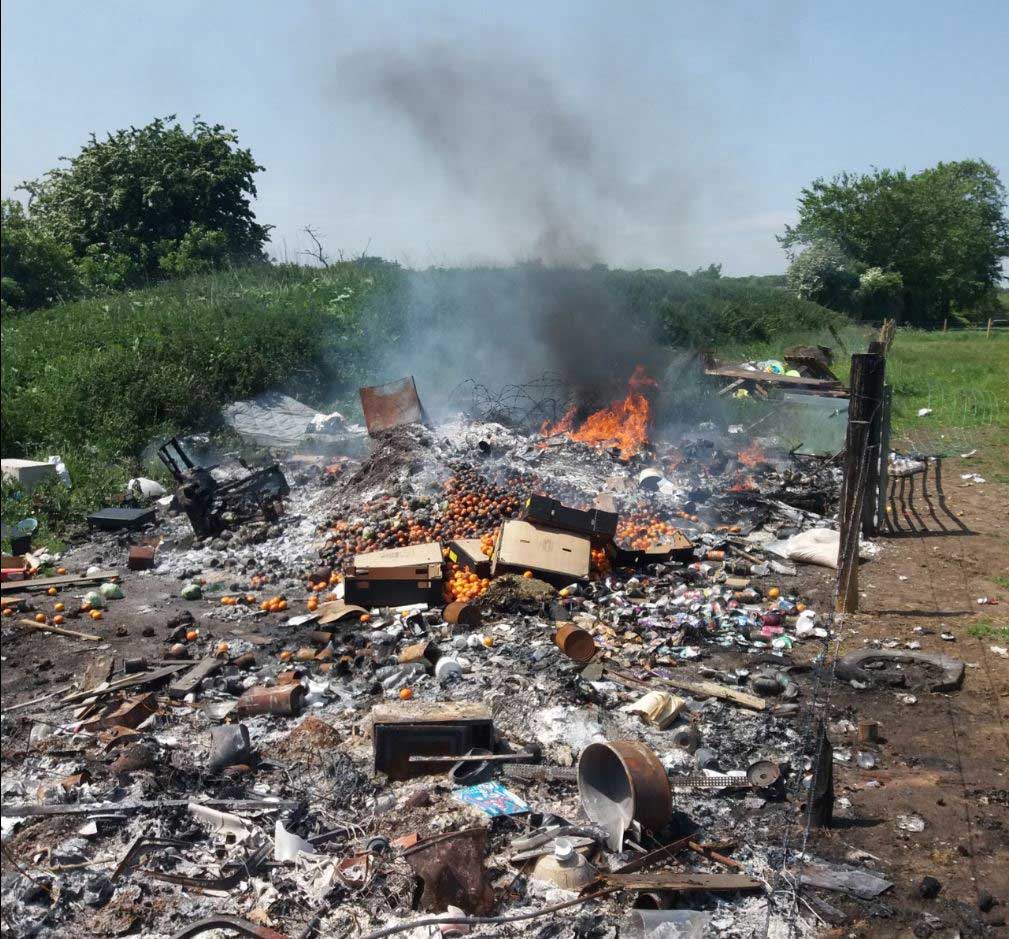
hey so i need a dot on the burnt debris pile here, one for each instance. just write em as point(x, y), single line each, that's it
point(476, 674)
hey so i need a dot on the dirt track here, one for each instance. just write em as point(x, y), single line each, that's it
point(946, 757)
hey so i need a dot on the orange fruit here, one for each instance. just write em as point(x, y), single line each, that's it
point(405, 694)
point(527, 573)
point(61, 571)
point(40, 617)
point(192, 634)
point(57, 619)
point(95, 614)
point(222, 648)
point(286, 655)
point(59, 607)
point(85, 606)
point(8, 611)
point(52, 591)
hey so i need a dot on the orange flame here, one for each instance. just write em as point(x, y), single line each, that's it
point(752, 455)
point(744, 484)
point(622, 424)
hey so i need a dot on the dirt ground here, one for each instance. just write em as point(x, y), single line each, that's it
point(946, 757)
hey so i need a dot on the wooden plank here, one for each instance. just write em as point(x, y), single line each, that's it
point(728, 371)
point(191, 681)
point(65, 580)
point(680, 880)
point(30, 810)
point(58, 630)
point(131, 681)
point(708, 688)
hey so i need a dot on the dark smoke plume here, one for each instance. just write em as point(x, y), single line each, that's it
point(550, 181)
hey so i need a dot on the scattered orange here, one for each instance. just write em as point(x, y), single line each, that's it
point(527, 573)
point(40, 617)
point(59, 607)
point(61, 571)
point(95, 614)
point(192, 634)
point(405, 694)
point(286, 655)
point(8, 611)
point(52, 591)
point(57, 619)
point(222, 648)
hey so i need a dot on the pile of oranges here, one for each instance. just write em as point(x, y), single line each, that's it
point(248, 600)
point(487, 542)
point(641, 531)
point(473, 506)
point(599, 562)
point(463, 585)
point(274, 605)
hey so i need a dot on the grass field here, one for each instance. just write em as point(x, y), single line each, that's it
point(99, 380)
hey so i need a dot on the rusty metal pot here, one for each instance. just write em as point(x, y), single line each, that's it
point(287, 700)
point(463, 613)
point(620, 781)
point(575, 642)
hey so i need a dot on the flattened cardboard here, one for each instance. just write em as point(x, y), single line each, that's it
point(557, 557)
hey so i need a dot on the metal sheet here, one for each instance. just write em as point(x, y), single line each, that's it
point(391, 405)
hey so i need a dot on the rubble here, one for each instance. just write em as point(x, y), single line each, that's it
point(444, 680)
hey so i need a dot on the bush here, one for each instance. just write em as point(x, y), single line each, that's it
point(152, 201)
point(36, 269)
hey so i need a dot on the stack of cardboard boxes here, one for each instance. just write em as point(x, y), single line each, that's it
point(552, 541)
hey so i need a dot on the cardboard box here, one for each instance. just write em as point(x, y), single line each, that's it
point(467, 553)
point(396, 577)
point(27, 473)
point(14, 568)
point(598, 525)
point(554, 556)
point(680, 548)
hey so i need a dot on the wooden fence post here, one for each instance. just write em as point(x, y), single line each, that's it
point(868, 373)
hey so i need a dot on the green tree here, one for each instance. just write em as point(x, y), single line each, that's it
point(944, 231)
point(824, 274)
point(151, 201)
point(35, 268)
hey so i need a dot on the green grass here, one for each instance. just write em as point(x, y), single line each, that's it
point(961, 376)
point(987, 630)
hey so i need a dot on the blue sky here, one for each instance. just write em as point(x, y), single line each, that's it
point(703, 120)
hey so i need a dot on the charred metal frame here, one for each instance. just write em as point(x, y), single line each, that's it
point(206, 501)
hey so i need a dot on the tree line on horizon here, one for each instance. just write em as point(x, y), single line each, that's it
point(147, 204)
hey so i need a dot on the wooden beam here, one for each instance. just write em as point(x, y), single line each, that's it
point(64, 580)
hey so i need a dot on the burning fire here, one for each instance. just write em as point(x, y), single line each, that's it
point(752, 455)
point(744, 484)
point(622, 424)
